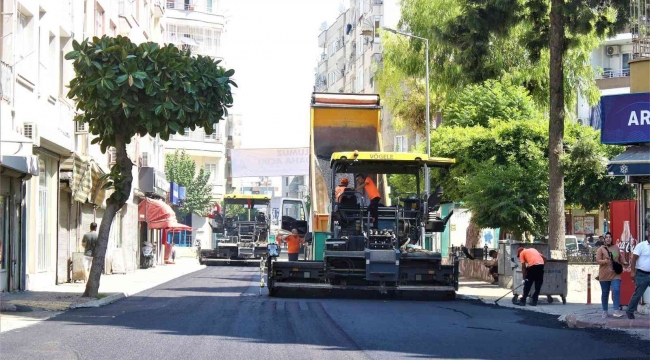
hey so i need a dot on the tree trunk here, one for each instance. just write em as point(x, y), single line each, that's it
point(472, 235)
point(113, 205)
point(556, 128)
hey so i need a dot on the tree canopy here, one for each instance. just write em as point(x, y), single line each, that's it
point(181, 169)
point(123, 89)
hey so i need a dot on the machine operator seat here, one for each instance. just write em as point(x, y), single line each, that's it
point(348, 199)
point(261, 217)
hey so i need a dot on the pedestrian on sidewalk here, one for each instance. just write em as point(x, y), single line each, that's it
point(293, 243)
point(532, 271)
point(608, 278)
point(89, 242)
point(640, 274)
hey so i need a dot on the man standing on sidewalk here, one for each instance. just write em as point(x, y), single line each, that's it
point(640, 274)
point(532, 270)
point(89, 243)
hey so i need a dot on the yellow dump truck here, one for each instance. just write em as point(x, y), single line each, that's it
point(352, 250)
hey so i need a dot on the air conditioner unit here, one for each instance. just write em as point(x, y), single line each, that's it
point(613, 50)
point(81, 128)
point(30, 130)
point(112, 156)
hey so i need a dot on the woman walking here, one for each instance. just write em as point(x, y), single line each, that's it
point(606, 256)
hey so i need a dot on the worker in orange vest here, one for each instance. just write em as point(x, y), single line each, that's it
point(340, 189)
point(293, 245)
point(368, 185)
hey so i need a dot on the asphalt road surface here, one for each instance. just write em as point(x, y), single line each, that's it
point(217, 313)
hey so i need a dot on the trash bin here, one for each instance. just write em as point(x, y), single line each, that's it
point(555, 280)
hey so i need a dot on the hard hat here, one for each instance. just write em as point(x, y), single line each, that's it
point(519, 250)
point(344, 181)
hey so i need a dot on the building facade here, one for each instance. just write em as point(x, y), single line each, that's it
point(59, 191)
point(352, 52)
point(233, 141)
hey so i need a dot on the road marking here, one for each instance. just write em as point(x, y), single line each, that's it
point(303, 305)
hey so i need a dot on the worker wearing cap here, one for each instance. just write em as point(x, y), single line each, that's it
point(340, 189)
point(532, 270)
point(366, 183)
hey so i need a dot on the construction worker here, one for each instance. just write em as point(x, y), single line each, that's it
point(340, 189)
point(532, 271)
point(366, 183)
point(293, 242)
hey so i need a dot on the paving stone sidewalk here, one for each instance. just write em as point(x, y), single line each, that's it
point(575, 313)
point(22, 309)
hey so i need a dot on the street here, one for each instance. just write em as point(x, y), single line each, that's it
point(217, 312)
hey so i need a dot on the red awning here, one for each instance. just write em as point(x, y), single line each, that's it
point(159, 215)
point(216, 209)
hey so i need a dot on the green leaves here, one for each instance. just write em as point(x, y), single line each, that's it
point(181, 169)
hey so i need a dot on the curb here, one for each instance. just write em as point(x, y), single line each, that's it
point(7, 307)
point(101, 302)
point(574, 322)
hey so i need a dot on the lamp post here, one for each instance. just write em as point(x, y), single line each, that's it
point(427, 183)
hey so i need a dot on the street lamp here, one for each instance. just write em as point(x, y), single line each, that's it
point(427, 183)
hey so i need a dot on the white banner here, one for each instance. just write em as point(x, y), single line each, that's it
point(269, 162)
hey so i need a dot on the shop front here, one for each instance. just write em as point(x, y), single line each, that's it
point(626, 121)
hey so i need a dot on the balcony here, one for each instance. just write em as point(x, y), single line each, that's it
point(613, 79)
point(197, 143)
point(207, 6)
point(6, 84)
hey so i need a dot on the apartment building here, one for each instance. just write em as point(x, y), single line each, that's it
point(294, 187)
point(233, 141)
point(46, 156)
point(352, 52)
point(196, 25)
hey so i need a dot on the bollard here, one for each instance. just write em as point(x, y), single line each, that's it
point(588, 289)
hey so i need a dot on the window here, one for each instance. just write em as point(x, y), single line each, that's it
point(293, 209)
point(213, 170)
point(401, 143)
point(99, 20)
point(24, 43)
point(215, 133)
point(186, 132)
point(377, 27)
point(625, 61)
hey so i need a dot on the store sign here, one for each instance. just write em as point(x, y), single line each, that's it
point(270, 162)
point(625, 118)
point(173, 193)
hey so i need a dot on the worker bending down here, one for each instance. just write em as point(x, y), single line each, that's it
point(532, 271)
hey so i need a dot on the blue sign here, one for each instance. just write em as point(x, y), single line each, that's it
point(625, 118)
point(173, 193)
point(181, 193)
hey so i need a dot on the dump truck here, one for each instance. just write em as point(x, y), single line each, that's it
point(349, 249)
point(242, 230)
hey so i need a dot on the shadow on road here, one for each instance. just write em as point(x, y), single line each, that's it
point(201, 308)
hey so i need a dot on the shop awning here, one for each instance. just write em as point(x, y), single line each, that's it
point(633, 161)
point(159, 215)
point(22, 164)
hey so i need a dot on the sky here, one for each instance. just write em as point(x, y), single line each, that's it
point(273, 47)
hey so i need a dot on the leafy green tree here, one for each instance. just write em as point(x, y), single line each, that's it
point(123, 90)
point(235, 210)
point(556, 26)
point(181, 169)
point(454, 64)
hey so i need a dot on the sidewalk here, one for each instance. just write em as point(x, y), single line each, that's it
point(29, 307)
point(575, 313)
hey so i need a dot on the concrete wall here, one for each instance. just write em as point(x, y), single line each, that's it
point(474, 269)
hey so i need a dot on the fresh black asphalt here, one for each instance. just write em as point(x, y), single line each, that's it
point(218, 313)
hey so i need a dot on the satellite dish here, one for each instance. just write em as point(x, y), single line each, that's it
point(323, 26)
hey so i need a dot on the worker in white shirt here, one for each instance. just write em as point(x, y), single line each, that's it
point(640, 274)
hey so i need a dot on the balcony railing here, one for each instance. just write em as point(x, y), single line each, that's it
point(126, 8)
point(609, 73)
point(198, 135)
point(209, 6)
point(6, 76)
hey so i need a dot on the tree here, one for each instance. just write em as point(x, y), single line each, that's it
point(123, 90)
point(556, 25)
point(454, 62)
point(181, 169)
point(501, 172)
point(235, 210)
